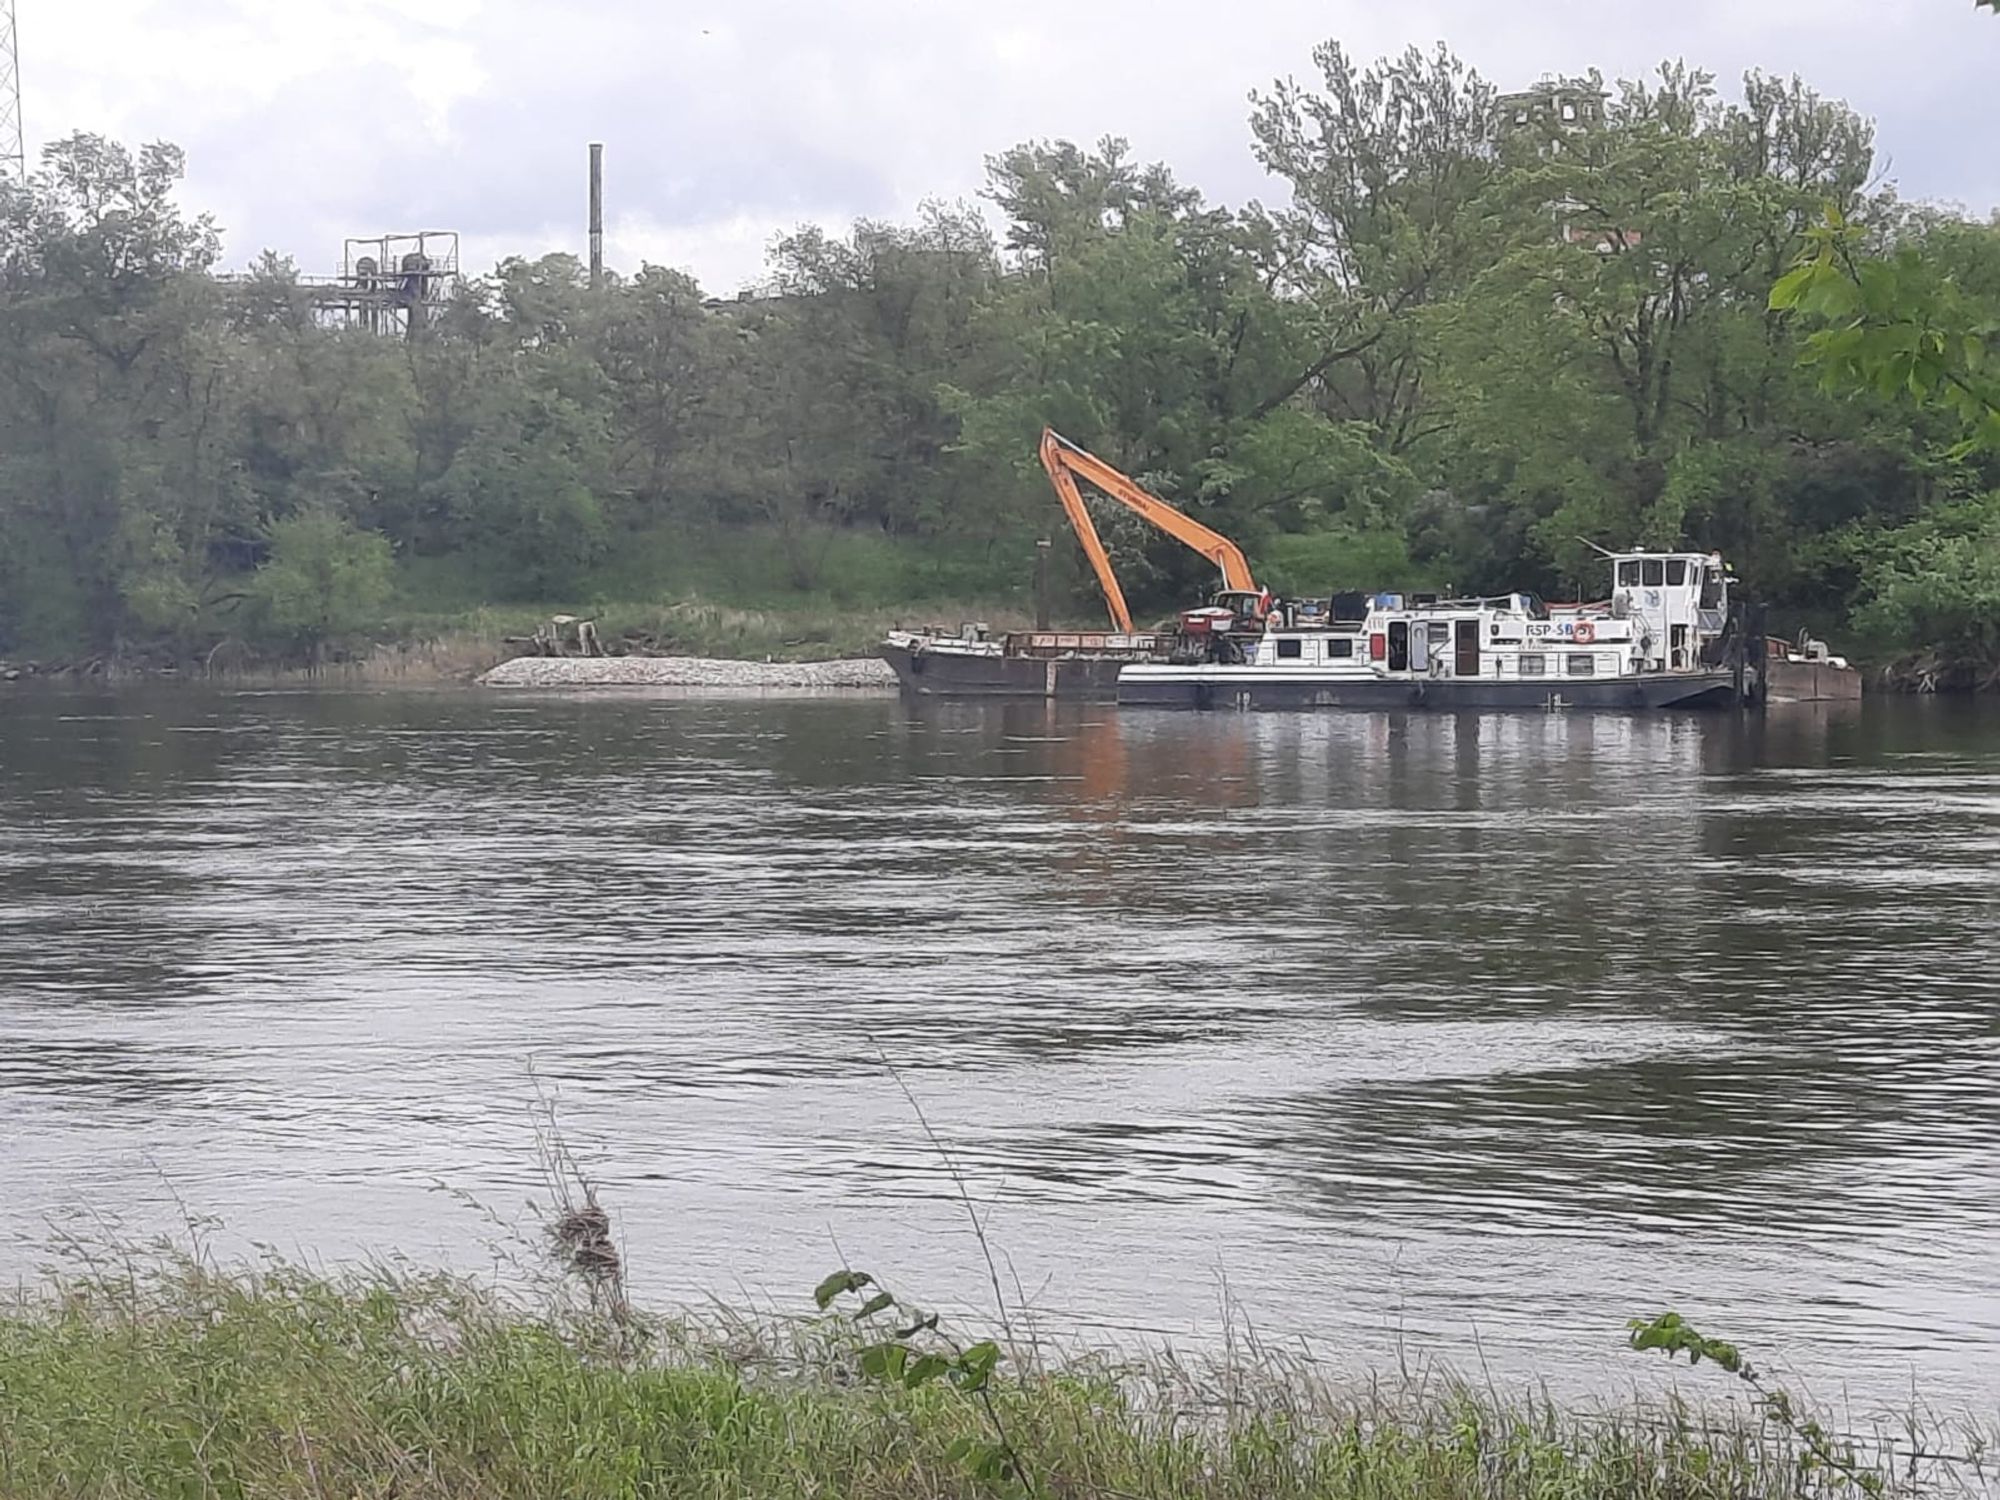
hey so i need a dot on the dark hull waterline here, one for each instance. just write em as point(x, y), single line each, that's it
point(936, 674)
point(1255, 688)
point(942, 674)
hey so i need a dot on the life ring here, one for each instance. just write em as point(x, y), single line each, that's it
point(1585, 632)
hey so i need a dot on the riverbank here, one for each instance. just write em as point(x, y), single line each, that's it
point(462, 648)
point(171, 1377)
point(858, 674)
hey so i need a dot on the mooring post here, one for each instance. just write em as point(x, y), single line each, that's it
point(1042, 584)
point(596, 216)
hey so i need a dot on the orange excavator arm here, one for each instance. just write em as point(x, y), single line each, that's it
point(1065, 463)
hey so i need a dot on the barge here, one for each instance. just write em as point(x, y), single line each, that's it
point(1019, 664)
point(1667, 637)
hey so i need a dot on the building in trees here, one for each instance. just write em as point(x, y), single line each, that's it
point(1545, 120)
point(1552, 107)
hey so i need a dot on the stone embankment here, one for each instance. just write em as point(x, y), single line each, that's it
point(689, 672)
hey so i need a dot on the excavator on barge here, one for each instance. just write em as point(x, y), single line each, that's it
point(1673, 632)
point(1084, 664)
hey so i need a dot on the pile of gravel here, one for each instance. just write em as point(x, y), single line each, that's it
point(687, 672)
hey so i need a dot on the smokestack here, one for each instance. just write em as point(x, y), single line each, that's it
point(596, 216)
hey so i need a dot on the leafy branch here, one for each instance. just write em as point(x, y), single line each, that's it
point(1893, 326)
point(899, 1360)
point(1674, 1335)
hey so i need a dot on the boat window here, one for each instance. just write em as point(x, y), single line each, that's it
point(1582, 664)
point(1399, 645)
point(1655, 572)
point(1340, 650)
point(1533, 666)
point(1290, 648)
point(1628, 575)
point(1677, 572)
point(1711, 588)
point(1440, 632)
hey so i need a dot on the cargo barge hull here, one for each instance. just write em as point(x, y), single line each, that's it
point(1262, 688)
point(938, 673)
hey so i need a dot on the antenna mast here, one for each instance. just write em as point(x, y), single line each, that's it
point(13, 148)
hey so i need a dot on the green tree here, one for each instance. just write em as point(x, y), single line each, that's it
point(869, 331)
point(113, 395)
point(659, 355)
point(1459, 344)
point(1389, 167)
point(1150, 328)
point(1933, 587)
point(324, 580)
point(1642, 250)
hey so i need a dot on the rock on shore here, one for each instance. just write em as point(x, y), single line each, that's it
point(689, 672)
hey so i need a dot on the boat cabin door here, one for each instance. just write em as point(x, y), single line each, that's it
point(1465, 661)
point(1399, 645)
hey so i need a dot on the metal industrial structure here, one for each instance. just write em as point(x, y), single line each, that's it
point(396, 284)
point(400, 284)
point(13, 142)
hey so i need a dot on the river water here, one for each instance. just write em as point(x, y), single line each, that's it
point(1463, 1038)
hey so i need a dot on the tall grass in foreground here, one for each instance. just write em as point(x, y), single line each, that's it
point(165, 1376)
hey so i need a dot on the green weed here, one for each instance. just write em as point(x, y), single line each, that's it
point(164, 1376)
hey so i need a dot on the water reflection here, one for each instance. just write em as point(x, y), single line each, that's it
point(1387, 1016)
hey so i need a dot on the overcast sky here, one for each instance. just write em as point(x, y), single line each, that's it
point(728, 121)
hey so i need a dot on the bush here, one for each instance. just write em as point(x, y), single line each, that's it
point(324, 580)
point(1936, 584)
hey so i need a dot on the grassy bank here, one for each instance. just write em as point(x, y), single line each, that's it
point(799, 631)
point(420, 649)
point(171, 1378)
point(739, 593)
point(732, 592)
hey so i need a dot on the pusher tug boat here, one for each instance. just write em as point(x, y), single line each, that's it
point(1667, 637)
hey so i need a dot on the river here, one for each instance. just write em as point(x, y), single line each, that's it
point(1457, 1038)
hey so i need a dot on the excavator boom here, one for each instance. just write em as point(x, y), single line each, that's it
point(1066, 463)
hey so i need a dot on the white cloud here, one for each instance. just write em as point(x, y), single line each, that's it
point(727, 121)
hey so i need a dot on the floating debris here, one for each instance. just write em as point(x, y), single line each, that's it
point(585, 1237)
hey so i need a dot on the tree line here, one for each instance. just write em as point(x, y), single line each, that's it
point(1476, 335)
